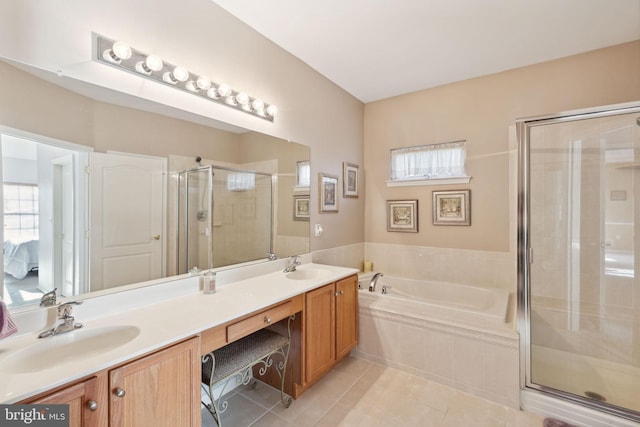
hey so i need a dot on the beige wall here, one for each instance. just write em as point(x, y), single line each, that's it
point(480, 111)
point(56, 35)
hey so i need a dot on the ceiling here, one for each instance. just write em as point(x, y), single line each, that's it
point(375, 49)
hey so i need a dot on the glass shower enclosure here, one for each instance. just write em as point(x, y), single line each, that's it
point(578, 245)
point(224, 217)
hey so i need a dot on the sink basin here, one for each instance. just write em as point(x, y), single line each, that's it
point(308, 274)
point(52, 351)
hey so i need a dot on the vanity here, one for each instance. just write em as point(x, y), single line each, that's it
point(149, 371)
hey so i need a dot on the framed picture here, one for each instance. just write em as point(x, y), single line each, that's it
point(328, 189)
point(350, 179)
point(452, 207)
point(402, 215)
point(301, 208)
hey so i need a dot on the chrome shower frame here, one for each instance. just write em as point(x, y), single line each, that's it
point(580, 407)
point(182, 184)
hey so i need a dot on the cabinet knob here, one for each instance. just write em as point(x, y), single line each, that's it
point(267, 320)
point(119, 392)
point(337, 294)
point(156, 237)
point(92, 405)
point(341, 291)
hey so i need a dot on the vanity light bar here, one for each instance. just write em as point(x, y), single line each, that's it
point(121, 55)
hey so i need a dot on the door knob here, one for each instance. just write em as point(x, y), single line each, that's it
point(119, 392)
point(156, 237)
point(92, 405)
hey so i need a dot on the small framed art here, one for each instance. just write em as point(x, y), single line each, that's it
point(328, 189)
point(350, 179)
point(301, 208)
point(452, 207)
point(402, 215)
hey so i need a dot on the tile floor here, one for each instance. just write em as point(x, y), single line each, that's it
point(361, 393)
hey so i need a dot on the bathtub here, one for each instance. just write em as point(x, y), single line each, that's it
point(436, 299)
point(452, 334)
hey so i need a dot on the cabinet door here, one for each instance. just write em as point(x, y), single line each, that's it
point(319, 331)
point(86, 409)
point(346, 316)
point(159, 390)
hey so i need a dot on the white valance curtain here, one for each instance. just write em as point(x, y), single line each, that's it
point(241, 181)
point(429, 161)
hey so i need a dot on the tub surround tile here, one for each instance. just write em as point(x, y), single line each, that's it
point(483, 363)
point(468, 362)
point(464, 266)
point(439, 354)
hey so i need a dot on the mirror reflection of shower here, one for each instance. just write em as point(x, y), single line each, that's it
point(224, 216)
point(203, 212)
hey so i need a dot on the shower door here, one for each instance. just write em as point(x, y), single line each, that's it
point(195, 219)
point(225, 217)
point(580, 297)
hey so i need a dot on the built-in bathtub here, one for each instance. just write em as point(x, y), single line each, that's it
point(435, 299)
point(450, 333)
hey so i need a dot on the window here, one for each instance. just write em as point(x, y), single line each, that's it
point(418, 165)
point(20, 212)
point(241, 181)
point(303, 174)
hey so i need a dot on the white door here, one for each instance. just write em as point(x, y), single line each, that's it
point(63, 226)
point(126, 219)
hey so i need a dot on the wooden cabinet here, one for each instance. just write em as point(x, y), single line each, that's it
point(331, 326)
point(159, 390)
point(86, 400)
point(346, 316)
point(162, 389)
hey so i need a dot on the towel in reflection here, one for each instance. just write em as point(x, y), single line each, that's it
point(7, 325)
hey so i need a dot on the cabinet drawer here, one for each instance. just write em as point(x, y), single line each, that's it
point(260, 320)
point(213, 339)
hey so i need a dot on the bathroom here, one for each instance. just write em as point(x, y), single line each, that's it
point(337, 128)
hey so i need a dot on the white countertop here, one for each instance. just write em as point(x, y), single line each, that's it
point(187, 313)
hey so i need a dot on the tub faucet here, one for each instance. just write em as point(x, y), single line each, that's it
point(293, 263)
point(374, 280)
point(67, 321)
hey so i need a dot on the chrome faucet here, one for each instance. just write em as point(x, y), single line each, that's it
point(48, 299)
point(293, 263)
point(271, 256)
point(374, 280)
point(67, 321)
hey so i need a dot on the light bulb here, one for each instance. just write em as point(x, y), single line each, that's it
point(154, 63)
point(224, 89)
point(212, 93)
point(272, 110)
point(242, 98)
point(258, 104)
point(191, 86)
point(118, 52)
point(179, 74)
point(122, 50)
point(150, 64)
point(203, 83)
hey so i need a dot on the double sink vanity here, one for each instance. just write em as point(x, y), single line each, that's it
point(137, 358)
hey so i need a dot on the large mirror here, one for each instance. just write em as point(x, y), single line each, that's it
point(105, 191)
